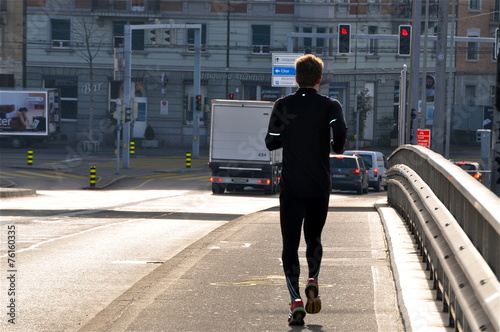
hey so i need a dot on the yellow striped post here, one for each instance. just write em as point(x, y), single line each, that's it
point(132, 148)
point(188, 159)
point(30, 157)
point(93, 176)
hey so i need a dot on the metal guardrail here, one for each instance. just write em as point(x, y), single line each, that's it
point(456, 222)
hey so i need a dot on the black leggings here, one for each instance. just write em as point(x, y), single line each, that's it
point(295, 212)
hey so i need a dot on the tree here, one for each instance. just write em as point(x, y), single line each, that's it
point(90, 40)
point(364, 106)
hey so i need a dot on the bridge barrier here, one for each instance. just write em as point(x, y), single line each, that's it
point(456, 223)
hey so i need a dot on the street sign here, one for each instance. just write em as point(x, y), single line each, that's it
point(284, 81)
point(283, 72)
point(424, 137)
point(164, 107)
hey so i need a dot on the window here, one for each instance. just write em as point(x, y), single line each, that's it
point(190, 38)
point(472, 47)
point(372, 43)
point(312, 45)
point(69, 94)
point(119, 33)
point(261, 39)
point(320, 42)
point(307, 41)
point(257, 91)
point(474, 5)
point(60, 33)
point(470, 95)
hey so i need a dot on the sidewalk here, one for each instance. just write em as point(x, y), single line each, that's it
point(232, 280)
point(63, 159)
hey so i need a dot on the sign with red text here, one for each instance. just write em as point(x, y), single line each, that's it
point(424, 137)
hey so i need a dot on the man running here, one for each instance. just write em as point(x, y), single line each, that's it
point(300, 123)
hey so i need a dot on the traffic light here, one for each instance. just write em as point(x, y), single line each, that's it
point(187, 103)
point(198, 104)
point(169, 36)
point(128, 114)
point(413, 116)
point(344, 38)
point(404, 41)
point(231, 96)
point(156, 39)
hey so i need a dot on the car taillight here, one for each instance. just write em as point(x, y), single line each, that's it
point(212, 179)
point(267, 181)
point(375, 173)
point(477, 176)
point(355, 171)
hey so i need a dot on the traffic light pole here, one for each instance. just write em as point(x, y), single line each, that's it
point(127, 84)
point(495, 133)
point(411, 123)
point(438, 127)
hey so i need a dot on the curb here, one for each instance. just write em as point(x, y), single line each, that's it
point(16, 192)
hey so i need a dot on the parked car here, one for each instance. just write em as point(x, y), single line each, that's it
point(349, 173)
point(473, 168)
point(376, 163)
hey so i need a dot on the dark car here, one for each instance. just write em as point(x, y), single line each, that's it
point(349, 173)
point(473, 168)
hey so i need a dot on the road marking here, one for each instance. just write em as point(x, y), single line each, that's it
point(202, 177)
point(153, 176)
point(18, 175)
point(138, 262)
point(270, 280)
point(35, 246)
point(68, 175)
point(40, 174)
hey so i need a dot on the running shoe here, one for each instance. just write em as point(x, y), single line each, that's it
point(297, 313)
point(313, 305)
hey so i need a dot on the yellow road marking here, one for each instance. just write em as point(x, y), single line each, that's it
point(16, 174)
point(271, 280)
point(154, 175)
point(40, 174)
point(68, 175)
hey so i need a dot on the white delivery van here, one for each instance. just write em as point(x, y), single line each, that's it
point(376, 163)
point(238, 156)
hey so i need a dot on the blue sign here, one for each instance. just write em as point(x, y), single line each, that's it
point(284, 71)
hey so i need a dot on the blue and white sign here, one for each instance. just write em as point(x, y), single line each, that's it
point(283, 72)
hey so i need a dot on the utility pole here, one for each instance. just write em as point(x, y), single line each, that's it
point(438, 127)
point(411, 124)
point(495, 133)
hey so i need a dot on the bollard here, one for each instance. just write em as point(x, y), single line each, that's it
point(30, 157)
point(132, 148)
point(93, 176)
point(188, 159)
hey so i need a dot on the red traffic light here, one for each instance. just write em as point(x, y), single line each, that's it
point(404, 32)
point(231, 96)
point(198, 97)
point(344, 31)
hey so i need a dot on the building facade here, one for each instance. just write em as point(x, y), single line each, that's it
point(475, 69)
point(77, 46)
point(12, 52)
